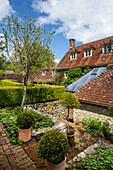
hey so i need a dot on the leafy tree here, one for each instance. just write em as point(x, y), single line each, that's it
point(69, 100)
point(2, 62)
point(27, 45)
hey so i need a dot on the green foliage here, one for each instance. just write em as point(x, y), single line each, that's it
point(25, 120)
point(10, 83)
point(69, 100)
point(30, 45)
point(73, 75)
point(42, 121)
point(110, 111)
point(68, 81)
point(41, 81)
point(103, 159)
point(12, 96)
point(87, 70)
point(94, 124)
point(75, 72)
point(105, 128)
point(1, 74)
point(8, 120)
point(53, 146)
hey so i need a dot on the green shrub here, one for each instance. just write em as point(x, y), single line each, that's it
point(75, 72)
point(12, 96)
point(42, 121)
point(69, 100)
point(103, 159)
point(68, 81)
point(25, 120)
point(110, 111)
point(1, 74)
point(87, 70)
point(105, 128)
point(73, 75)
point(94, 124)
point(53, 146)
point(10, 83)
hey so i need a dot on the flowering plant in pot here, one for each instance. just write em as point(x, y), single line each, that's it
point(54, 147)
point(24, 121)
point(70, 101)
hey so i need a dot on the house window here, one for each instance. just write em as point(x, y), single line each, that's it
point(43, 72)
point(73, 56)
point(66, 74)
point(88, 53)
point(107, 48)
point(53, 71)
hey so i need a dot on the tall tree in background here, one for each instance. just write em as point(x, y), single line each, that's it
point(27, 45)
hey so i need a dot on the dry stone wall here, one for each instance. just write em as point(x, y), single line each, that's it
point(57, 110)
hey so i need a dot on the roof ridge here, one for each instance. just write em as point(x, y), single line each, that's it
point(94, 41)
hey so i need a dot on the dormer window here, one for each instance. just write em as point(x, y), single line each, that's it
point(73, 56)
point(43, 73)
point(107, 48)
point(87, 52)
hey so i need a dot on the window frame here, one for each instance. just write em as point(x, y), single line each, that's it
point(66, 74)
point(73, 56)
point(87, 53)
point(43, 72)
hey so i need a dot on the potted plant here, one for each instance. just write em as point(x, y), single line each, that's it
point(70, 101)
point(54, 147)
point(24, 121)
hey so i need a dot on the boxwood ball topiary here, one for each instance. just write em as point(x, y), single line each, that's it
point(25, 120)
point(53, 146)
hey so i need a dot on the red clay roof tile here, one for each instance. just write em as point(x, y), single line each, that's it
point(99, 90)
point(97, 57)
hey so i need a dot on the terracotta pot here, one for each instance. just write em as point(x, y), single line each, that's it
point(60, 166)
point(24, 134)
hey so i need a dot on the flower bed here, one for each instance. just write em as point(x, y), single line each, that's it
point(8, 119)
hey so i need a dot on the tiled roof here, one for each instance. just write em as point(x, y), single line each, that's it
point(85, 79)
point(99, 90)
point(38, 74)
point(97, 58)
point(13, 76)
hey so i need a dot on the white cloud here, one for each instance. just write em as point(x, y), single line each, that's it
point(84, 20)
point(57, 60)
point(5, 9)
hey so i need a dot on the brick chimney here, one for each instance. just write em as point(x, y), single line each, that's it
point(71, 43)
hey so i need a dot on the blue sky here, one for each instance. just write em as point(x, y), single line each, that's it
point(83, 20)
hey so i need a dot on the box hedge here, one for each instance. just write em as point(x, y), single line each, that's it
point(12, 95)
point(10, 83)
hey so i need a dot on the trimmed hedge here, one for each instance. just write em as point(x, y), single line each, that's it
point(6, 82)
point(12, 96)
point(10, 83)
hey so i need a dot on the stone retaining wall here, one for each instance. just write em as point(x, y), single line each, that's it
point(94, 108)
point(57, 110)
point(80, 114)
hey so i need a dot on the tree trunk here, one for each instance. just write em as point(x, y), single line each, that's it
point(68, 121)
point(24, 95)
